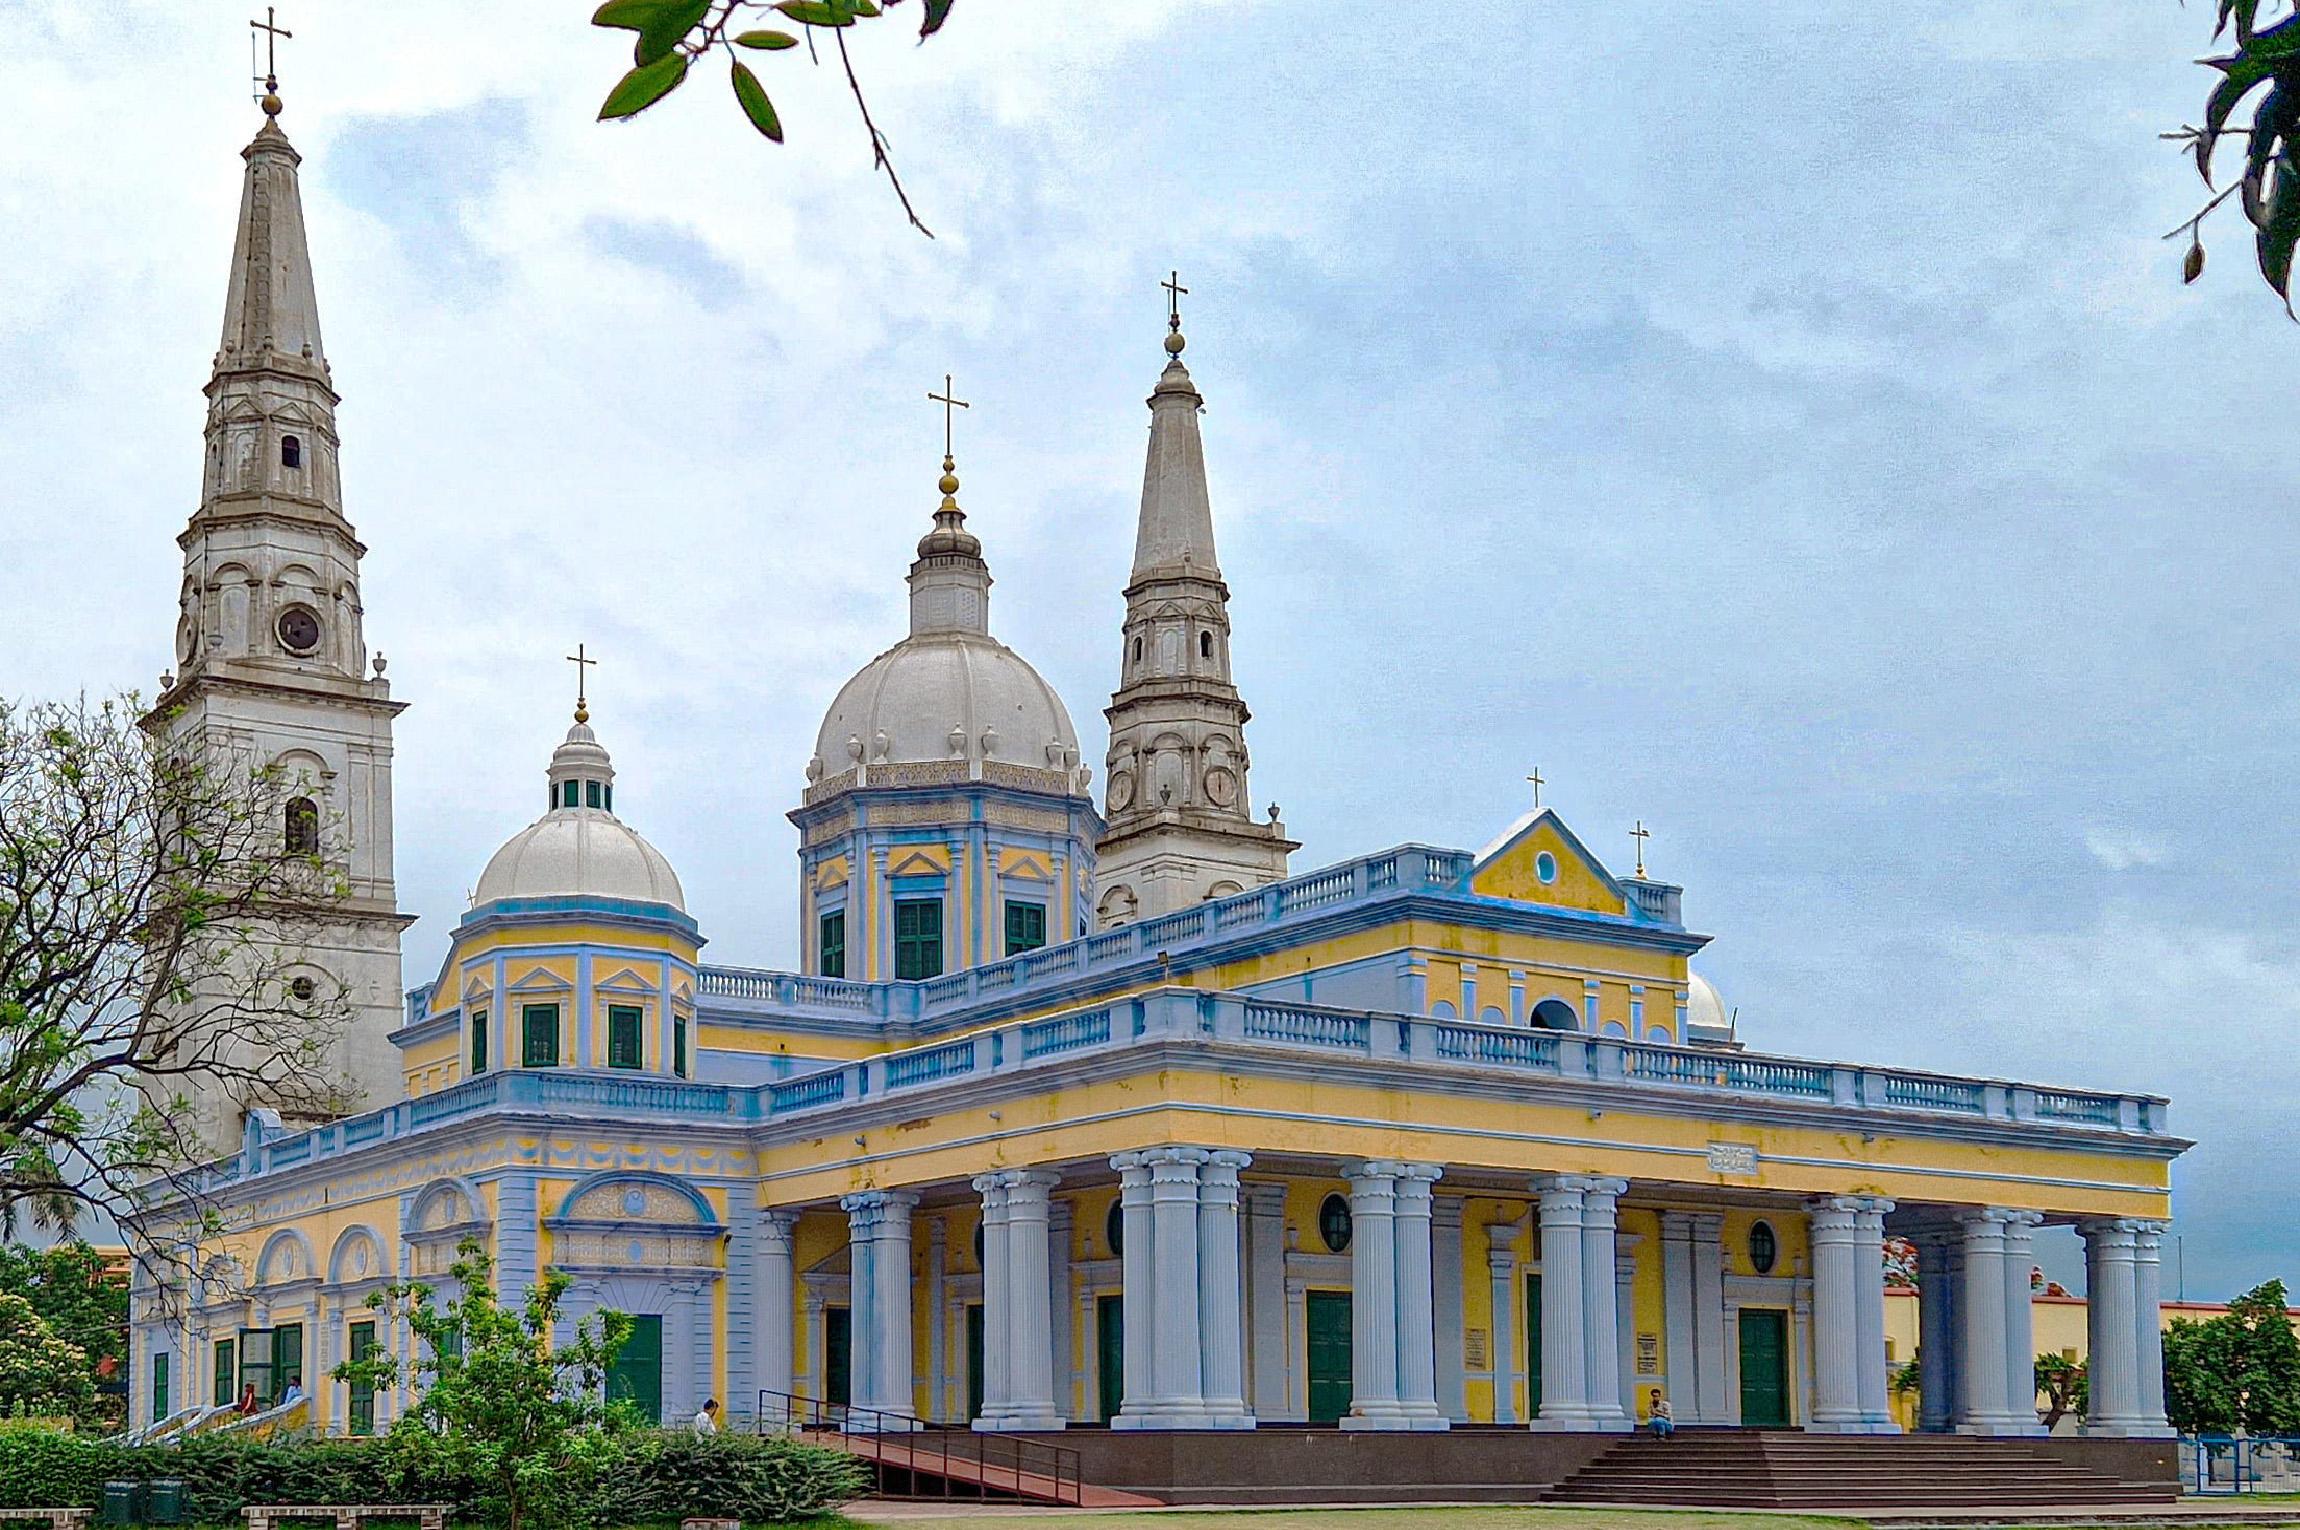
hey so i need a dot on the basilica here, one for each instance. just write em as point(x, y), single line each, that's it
point(1078, 1113)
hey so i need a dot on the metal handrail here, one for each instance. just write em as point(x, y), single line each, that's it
point(1000, 1462)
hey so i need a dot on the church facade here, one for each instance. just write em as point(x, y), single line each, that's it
point(1081, 1115)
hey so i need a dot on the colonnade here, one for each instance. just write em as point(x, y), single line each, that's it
point(1185, 1298)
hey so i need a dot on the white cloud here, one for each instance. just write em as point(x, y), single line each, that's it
point(2122, 850)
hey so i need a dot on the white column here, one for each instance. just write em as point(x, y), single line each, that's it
point(1446, 1274)
point(1417, 1305)
point(1601, 1341)
point(1876, 1382)
point(2112, 1335)
point(1058, 1306)
point(1716, 1349)
point(1564, 1328)
point(938, 1366)
point(2147, 1317)
point(2020, 1319)
point(1836, 1332)
point(890, 1285)
point(1501, 1271)
point(1936, 1328)
point(1136, 1273)
point(771, 1280)
point(997, 1342)
point(1221, 1350)
point(1029, 1330)
point(1373, 1296)
point(1625, 1315)
point(1986, 1405)
point(863, 1212)
point(1174, 1362)
point(1267, 1277)
point(1677, 1317)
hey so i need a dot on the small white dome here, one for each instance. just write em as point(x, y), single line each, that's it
point(580, 848)
point(580, 852)
point(946, 696)
point(1704, 1006)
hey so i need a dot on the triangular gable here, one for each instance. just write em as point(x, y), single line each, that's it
point(917, 864)
point(538, 978)
point(1021, 863)
point(832, 873)
point(625, 980)
point(1511, 868)
point(475, 985)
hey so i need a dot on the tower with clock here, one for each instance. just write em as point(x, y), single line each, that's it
point(272, 665)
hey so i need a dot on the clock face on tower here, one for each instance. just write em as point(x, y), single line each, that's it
point(298, 630)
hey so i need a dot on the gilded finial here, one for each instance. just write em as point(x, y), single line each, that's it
point(273, 32)
point(948, 483)
point(949, 400)
point(1175, 292)
point(583, 662)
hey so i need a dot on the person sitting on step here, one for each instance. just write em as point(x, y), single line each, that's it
point(1657, 1415)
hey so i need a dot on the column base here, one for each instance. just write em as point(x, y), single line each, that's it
point(1579, 1423)
point(1181, 1418)
point(1853, 1426)
point(2004, 1428)
point(2124, 1429)
point(1398, 1422)
point(1010, 1423)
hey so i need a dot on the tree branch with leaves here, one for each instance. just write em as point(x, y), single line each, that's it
point(675, 35)
point(2269, 188)
point(156, 896)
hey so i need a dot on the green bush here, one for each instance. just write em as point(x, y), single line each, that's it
point(650, 1477)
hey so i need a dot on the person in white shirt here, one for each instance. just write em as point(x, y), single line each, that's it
point(707, 1421)
point(294, 1392)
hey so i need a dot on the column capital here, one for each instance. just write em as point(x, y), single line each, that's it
point(1229, 1158)
point(776, 1226)
point(1501, 1238)
point(1424, 1173)
point(2110, 1237)
point(1174, 1157)
point(1372, 1169)
point(991, 1187)
point(1029, 1184)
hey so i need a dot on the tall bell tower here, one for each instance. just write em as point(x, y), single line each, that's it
point(272, 664)
point(1181, 819)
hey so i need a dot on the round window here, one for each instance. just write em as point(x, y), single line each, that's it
point(1334, 1223)
point(303, 988)
point(978, 1244)
point(1545, 866)
point(1764, 1248)
point(1114, 1228)
point(298, 629)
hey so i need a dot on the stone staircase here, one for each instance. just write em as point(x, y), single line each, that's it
point(1788, 1470)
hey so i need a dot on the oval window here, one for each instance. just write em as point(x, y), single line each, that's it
point(1764, 1248)
point(978, 1245)
point(1334, 1223)
point(1545, 866)
point(1114, 1228)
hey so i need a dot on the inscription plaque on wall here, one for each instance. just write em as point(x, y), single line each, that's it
point(1649, 1354)
point(1732, 1158)
point(1473, 1355)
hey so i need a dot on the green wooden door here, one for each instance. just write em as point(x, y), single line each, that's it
point(1533, 1345)
point(1330, 1360)
point(1110, 1356)
point(838, 1356)
point(636, 1377)
point(362, 1413)
point(1764, 1368)
point(974, 1360)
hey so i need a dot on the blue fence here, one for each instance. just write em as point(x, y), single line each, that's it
point(2224, 1465)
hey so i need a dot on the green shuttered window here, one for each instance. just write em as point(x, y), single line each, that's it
point(539, 1035)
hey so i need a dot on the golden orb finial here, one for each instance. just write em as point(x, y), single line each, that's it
point(949, 480)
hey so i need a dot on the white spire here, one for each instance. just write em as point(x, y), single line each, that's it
point(271, 312)
point(1175, 535)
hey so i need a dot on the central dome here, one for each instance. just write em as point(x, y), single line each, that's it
point(950, 693)
point(579, 848)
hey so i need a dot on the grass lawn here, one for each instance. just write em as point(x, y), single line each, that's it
point(1477, 1518)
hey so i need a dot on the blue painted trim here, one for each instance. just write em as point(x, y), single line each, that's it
point(525, 910)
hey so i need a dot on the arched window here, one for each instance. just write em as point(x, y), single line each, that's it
point(1555, 1015)
point(1205, 645)
point(1137, 650)
point(302, 827)
point(291, 452)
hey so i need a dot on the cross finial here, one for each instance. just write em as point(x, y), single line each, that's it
point(583, 662)
point(949, 400)
point(1535, 778)
point(1175, 292)
point(270, 78)
point(1641, 834)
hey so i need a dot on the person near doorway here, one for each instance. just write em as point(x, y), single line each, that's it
point(1657, 1416)
point(247, 1403)
point(294, 1392)
point(707, 1421)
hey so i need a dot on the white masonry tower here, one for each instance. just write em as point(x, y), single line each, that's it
point(272, 666)
point(1181, 821)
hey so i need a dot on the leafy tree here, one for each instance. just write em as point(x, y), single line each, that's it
point(39, 1373)
point(2239, 1372)
point(675, 35)
point(2064, 1384)
point(2270, 184)
point(513, 1402)
point(151, 914)
point(82, 1300)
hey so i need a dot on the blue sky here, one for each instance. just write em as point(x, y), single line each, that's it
point(1781, 423)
